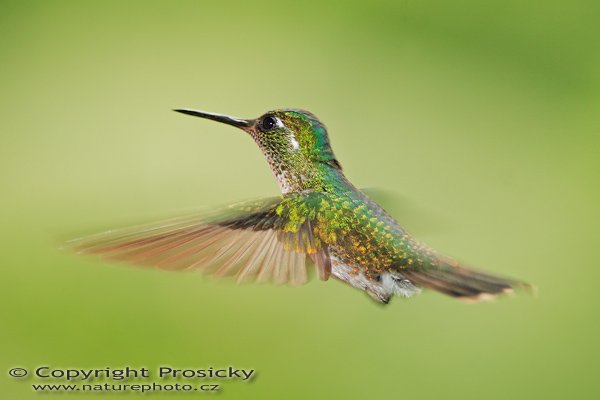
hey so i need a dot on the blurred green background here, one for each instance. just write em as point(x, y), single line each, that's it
point(483, 115)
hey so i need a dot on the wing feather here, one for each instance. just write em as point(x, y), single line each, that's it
point(251, 241)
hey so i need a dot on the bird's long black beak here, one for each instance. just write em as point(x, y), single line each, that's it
point(226, 119)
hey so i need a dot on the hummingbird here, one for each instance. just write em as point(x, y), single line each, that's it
point(320, 220)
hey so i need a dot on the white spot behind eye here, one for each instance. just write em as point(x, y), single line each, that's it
point(295, 143)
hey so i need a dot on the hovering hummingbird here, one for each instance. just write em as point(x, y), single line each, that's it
point(321, 218)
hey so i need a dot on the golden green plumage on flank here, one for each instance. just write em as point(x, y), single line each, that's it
point(321, 218)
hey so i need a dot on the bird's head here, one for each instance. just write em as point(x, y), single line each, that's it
point(294, 142)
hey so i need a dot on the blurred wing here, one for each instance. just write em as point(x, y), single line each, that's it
point(412, 216)
point(253, 241)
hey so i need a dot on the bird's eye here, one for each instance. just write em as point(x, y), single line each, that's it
point(268, 123)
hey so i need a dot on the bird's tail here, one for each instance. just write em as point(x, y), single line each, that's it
point(466, 284)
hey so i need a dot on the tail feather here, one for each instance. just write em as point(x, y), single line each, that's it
point(462, 283)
